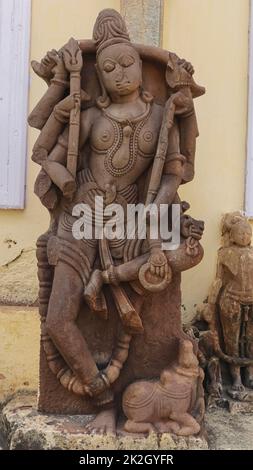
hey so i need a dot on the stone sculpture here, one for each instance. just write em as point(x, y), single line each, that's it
point(163, 405)
point(117, 121)
point(228, 342)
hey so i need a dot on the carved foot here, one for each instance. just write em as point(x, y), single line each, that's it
point(188, 426)
point(94, 296)
point(138, 428)
point(104, 423)
point(238, 386)
point(189, 430)
point(168, 426)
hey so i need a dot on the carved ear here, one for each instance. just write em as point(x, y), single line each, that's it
point(103, 101)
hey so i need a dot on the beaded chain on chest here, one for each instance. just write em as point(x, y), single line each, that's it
point(121, 156)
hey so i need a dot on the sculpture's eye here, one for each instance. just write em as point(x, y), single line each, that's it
point(108, 66)
point(126, 61)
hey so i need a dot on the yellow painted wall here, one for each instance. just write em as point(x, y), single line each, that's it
point(213, 35)
point(19, 349)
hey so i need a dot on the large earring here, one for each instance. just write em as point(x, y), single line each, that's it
point(146, 96)
point(102, 101)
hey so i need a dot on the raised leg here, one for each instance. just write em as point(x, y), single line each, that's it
point(63, 309)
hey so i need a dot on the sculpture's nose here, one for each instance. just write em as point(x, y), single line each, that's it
point(119, 74)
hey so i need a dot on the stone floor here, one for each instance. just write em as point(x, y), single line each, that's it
point(227, 431)
point(22, 427)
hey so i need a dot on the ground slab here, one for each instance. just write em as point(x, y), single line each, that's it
point(23, 427)
point(229, 431)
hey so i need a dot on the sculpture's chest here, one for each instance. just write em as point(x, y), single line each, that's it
point(239, 261)
point(124, 142)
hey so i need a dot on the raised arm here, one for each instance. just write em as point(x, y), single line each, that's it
point(55, 163)
point(56, 76)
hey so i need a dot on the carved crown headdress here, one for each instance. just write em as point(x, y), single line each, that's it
point(109, 29)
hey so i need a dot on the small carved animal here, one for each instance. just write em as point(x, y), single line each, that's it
point(165, 405)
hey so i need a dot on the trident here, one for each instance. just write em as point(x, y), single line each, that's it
point(73, 60)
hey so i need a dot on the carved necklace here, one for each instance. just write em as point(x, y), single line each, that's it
point(121, 156)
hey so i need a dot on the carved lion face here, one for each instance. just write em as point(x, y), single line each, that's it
point(120, 70)
point(191, 227)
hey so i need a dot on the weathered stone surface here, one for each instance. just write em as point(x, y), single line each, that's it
point(24, 428)
point(240, 406)
point(227, 431)
point(233, 401)
point(18, 270)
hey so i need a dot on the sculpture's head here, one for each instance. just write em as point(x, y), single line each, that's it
point(120, 70)
point(187, 358)
point(236, 229)
point(118, 63)
point(187, 365)
point(241, 233)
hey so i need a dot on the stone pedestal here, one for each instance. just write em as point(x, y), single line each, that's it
point(23, 427)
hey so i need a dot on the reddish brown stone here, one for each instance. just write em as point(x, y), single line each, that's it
point(110, 310)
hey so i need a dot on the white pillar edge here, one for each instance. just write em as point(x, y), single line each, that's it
point(15, 26)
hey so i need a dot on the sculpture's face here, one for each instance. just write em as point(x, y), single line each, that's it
point(241, 233)
point(120, 70)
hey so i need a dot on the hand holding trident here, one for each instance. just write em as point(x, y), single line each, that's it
point(156, 274)
point(73, 60)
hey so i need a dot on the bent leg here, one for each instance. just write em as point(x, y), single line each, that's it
point(63, 309)
point(188, 425)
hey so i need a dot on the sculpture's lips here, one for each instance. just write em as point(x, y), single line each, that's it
point(123, 85)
